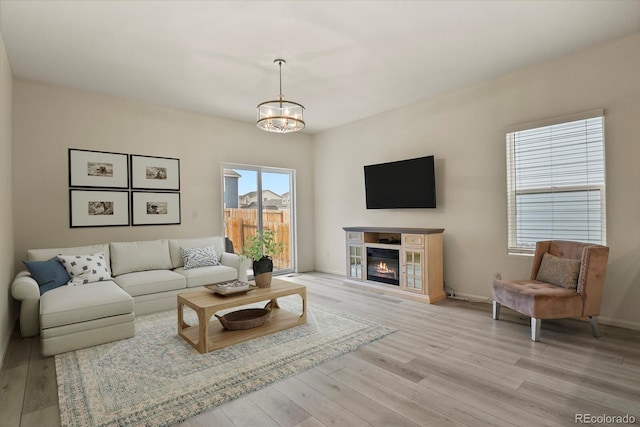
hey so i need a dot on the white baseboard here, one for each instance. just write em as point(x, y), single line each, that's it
point(619, 323)
point(337, 273)
point(472, 297)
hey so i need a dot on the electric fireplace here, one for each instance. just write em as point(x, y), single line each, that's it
point(383, 265)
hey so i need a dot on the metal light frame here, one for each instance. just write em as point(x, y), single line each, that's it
point(280, 116)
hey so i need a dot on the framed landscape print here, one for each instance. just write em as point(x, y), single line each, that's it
point(151, 208)
point(98, 169)
point(98, 208)
point(155, 173)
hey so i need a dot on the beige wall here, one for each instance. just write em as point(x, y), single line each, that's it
point(50, 119)
point(465, 131)
point(7, 312)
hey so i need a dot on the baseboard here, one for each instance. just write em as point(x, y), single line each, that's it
point(337, 273)
point(471, 297)
point(4, 346)
point(619, 323)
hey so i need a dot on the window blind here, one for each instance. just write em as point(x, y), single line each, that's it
point(556, 184)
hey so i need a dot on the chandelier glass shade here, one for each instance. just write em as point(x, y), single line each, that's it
point(280, 116)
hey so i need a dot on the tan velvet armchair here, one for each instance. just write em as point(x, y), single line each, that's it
point(540, 298)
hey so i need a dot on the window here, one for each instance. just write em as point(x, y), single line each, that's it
point(556, 182)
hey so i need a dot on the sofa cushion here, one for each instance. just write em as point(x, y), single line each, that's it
point(127, 257)
point(207, 275)
point(72, 304)
point(85, 269)
point(175, 244)
point(45, 254)
point(150, 282)
point(49, 274)
point(199, 257)
point(559, 271)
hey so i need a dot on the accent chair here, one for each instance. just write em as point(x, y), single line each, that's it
point(567, 280)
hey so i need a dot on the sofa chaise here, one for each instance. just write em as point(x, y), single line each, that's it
point(142, 277)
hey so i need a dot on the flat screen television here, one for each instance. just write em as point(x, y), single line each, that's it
point(405, 184)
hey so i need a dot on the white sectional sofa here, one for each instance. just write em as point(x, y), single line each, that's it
point(145, 277)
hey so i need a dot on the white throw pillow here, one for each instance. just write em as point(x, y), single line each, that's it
point(199, 257)
point(85, 269)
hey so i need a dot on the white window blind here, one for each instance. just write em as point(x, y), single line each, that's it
point(556, 183)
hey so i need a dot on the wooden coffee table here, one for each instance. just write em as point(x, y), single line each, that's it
point(210, 335)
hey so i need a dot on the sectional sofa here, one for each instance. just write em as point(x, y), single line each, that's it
point(139, 277)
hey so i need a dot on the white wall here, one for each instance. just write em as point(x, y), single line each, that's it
point(7, 307)
point(465, 131)
point(50, 119)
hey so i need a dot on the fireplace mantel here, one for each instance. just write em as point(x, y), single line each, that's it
point(420, 254)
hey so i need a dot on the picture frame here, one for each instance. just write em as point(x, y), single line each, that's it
point(154, 173)
point(98, 208)
point(155, 208)
point(89, 169)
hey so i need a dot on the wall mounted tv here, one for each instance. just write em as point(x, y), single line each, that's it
point(405, 184)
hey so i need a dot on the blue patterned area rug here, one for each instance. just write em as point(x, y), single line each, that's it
point(157, 379)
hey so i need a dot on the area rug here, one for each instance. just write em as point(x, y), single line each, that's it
point(156, 379)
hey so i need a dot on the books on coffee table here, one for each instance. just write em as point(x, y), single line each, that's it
point(231, 287)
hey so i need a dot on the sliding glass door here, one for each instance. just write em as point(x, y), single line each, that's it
point(260, 198)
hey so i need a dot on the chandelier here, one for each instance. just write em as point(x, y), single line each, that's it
point(280, 116)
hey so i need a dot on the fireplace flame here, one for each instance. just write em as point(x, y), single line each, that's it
point(383, 269)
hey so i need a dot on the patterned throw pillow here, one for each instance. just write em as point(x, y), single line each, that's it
point(559, 271)
point(199, 257)
point(85, 269)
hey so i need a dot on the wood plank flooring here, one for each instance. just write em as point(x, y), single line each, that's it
point(449, 364)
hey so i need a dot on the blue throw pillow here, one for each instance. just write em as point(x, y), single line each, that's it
point(49, 274)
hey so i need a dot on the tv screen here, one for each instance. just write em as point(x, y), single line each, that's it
point(405, 184)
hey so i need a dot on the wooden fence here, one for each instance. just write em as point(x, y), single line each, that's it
point(243, 223)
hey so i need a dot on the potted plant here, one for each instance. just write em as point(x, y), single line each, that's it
point(260, 248)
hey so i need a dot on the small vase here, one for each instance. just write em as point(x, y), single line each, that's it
point(262, 271)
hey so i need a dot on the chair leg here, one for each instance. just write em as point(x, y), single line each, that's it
point(535, 329)
point(496, 310)
point(595, 326)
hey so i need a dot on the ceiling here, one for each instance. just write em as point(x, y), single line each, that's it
point(346, 60)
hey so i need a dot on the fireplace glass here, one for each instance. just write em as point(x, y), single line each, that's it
point(383, 265)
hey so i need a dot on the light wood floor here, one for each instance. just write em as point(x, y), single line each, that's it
point(448, 364)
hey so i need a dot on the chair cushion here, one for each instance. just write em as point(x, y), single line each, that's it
point(207, 275)
point(559, 271)
point(538, 299)
point(150, 282)
point(72, 304)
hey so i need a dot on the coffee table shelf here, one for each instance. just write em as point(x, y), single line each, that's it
point(209, 334)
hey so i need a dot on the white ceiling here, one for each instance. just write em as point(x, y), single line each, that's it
point(346, 60)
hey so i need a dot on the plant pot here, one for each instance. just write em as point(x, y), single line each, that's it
point(262, 271)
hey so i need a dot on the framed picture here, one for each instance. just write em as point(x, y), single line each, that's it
point(151, 208)
point(98, 208)
point(98, 169)
point(155, 173)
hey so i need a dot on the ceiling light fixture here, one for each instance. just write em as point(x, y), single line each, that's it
point(280, 116)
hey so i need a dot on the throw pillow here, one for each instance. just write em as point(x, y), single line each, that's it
point(49, 274)
point(199, 257)
point(85, 269)
point(559, 271)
